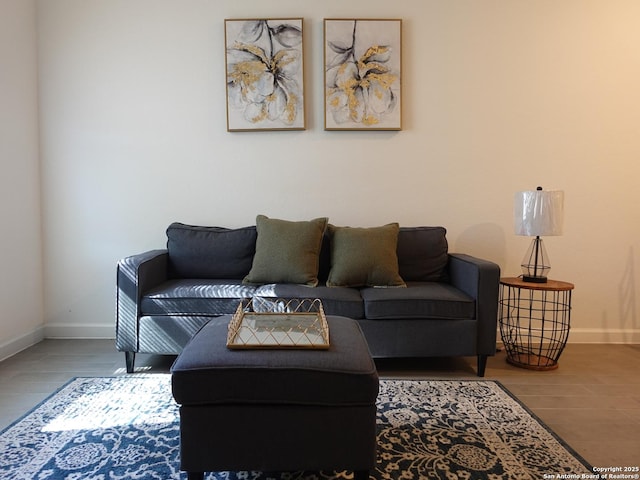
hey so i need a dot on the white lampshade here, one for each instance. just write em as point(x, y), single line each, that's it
point(539, 212)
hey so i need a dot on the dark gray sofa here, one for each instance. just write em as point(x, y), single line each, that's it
point(448, 308)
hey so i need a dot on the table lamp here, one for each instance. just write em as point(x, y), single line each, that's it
point(538, 213)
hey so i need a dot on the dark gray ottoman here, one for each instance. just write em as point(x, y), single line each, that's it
point(276, 410)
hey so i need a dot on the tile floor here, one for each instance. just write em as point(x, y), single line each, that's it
point(592, 400)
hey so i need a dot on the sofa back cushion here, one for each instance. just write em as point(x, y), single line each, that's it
point(325, 258)
point(210, 252)
point(216, 252)
point(422, 254)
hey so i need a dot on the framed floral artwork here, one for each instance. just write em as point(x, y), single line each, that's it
point(264, 68)
point(362, 74)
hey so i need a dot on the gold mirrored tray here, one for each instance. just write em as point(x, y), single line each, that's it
point(263, 323)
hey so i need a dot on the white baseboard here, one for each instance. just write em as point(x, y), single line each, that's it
point(598, 335)
point(16, 345)
point(107, 331)
point(68, 330)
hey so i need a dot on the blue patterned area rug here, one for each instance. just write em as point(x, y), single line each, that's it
point(127, 428)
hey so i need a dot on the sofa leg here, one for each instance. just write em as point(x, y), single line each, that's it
point(129, 360)
point(482, 364)
point(195, 475)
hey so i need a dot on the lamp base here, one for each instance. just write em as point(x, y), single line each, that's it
point(535, 264)
point(531, 279)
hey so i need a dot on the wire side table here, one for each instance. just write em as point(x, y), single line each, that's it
point(534, 321)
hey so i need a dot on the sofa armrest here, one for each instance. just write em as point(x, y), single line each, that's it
point(479, 279)
point(136, 275)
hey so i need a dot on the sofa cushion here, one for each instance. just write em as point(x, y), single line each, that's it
point(418, 300)
point(210, 252)
point(340, 301)
point(364, 257)
point(422, 253)
point(195, 297)
point(287, 252)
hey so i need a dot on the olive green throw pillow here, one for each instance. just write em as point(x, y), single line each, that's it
point(364, 257)
point(287, 252)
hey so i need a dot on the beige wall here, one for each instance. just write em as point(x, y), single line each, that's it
point(21, 302)
point(499, 96)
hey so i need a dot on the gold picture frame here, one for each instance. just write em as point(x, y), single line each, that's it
point(264, 66)
point(362, 74)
